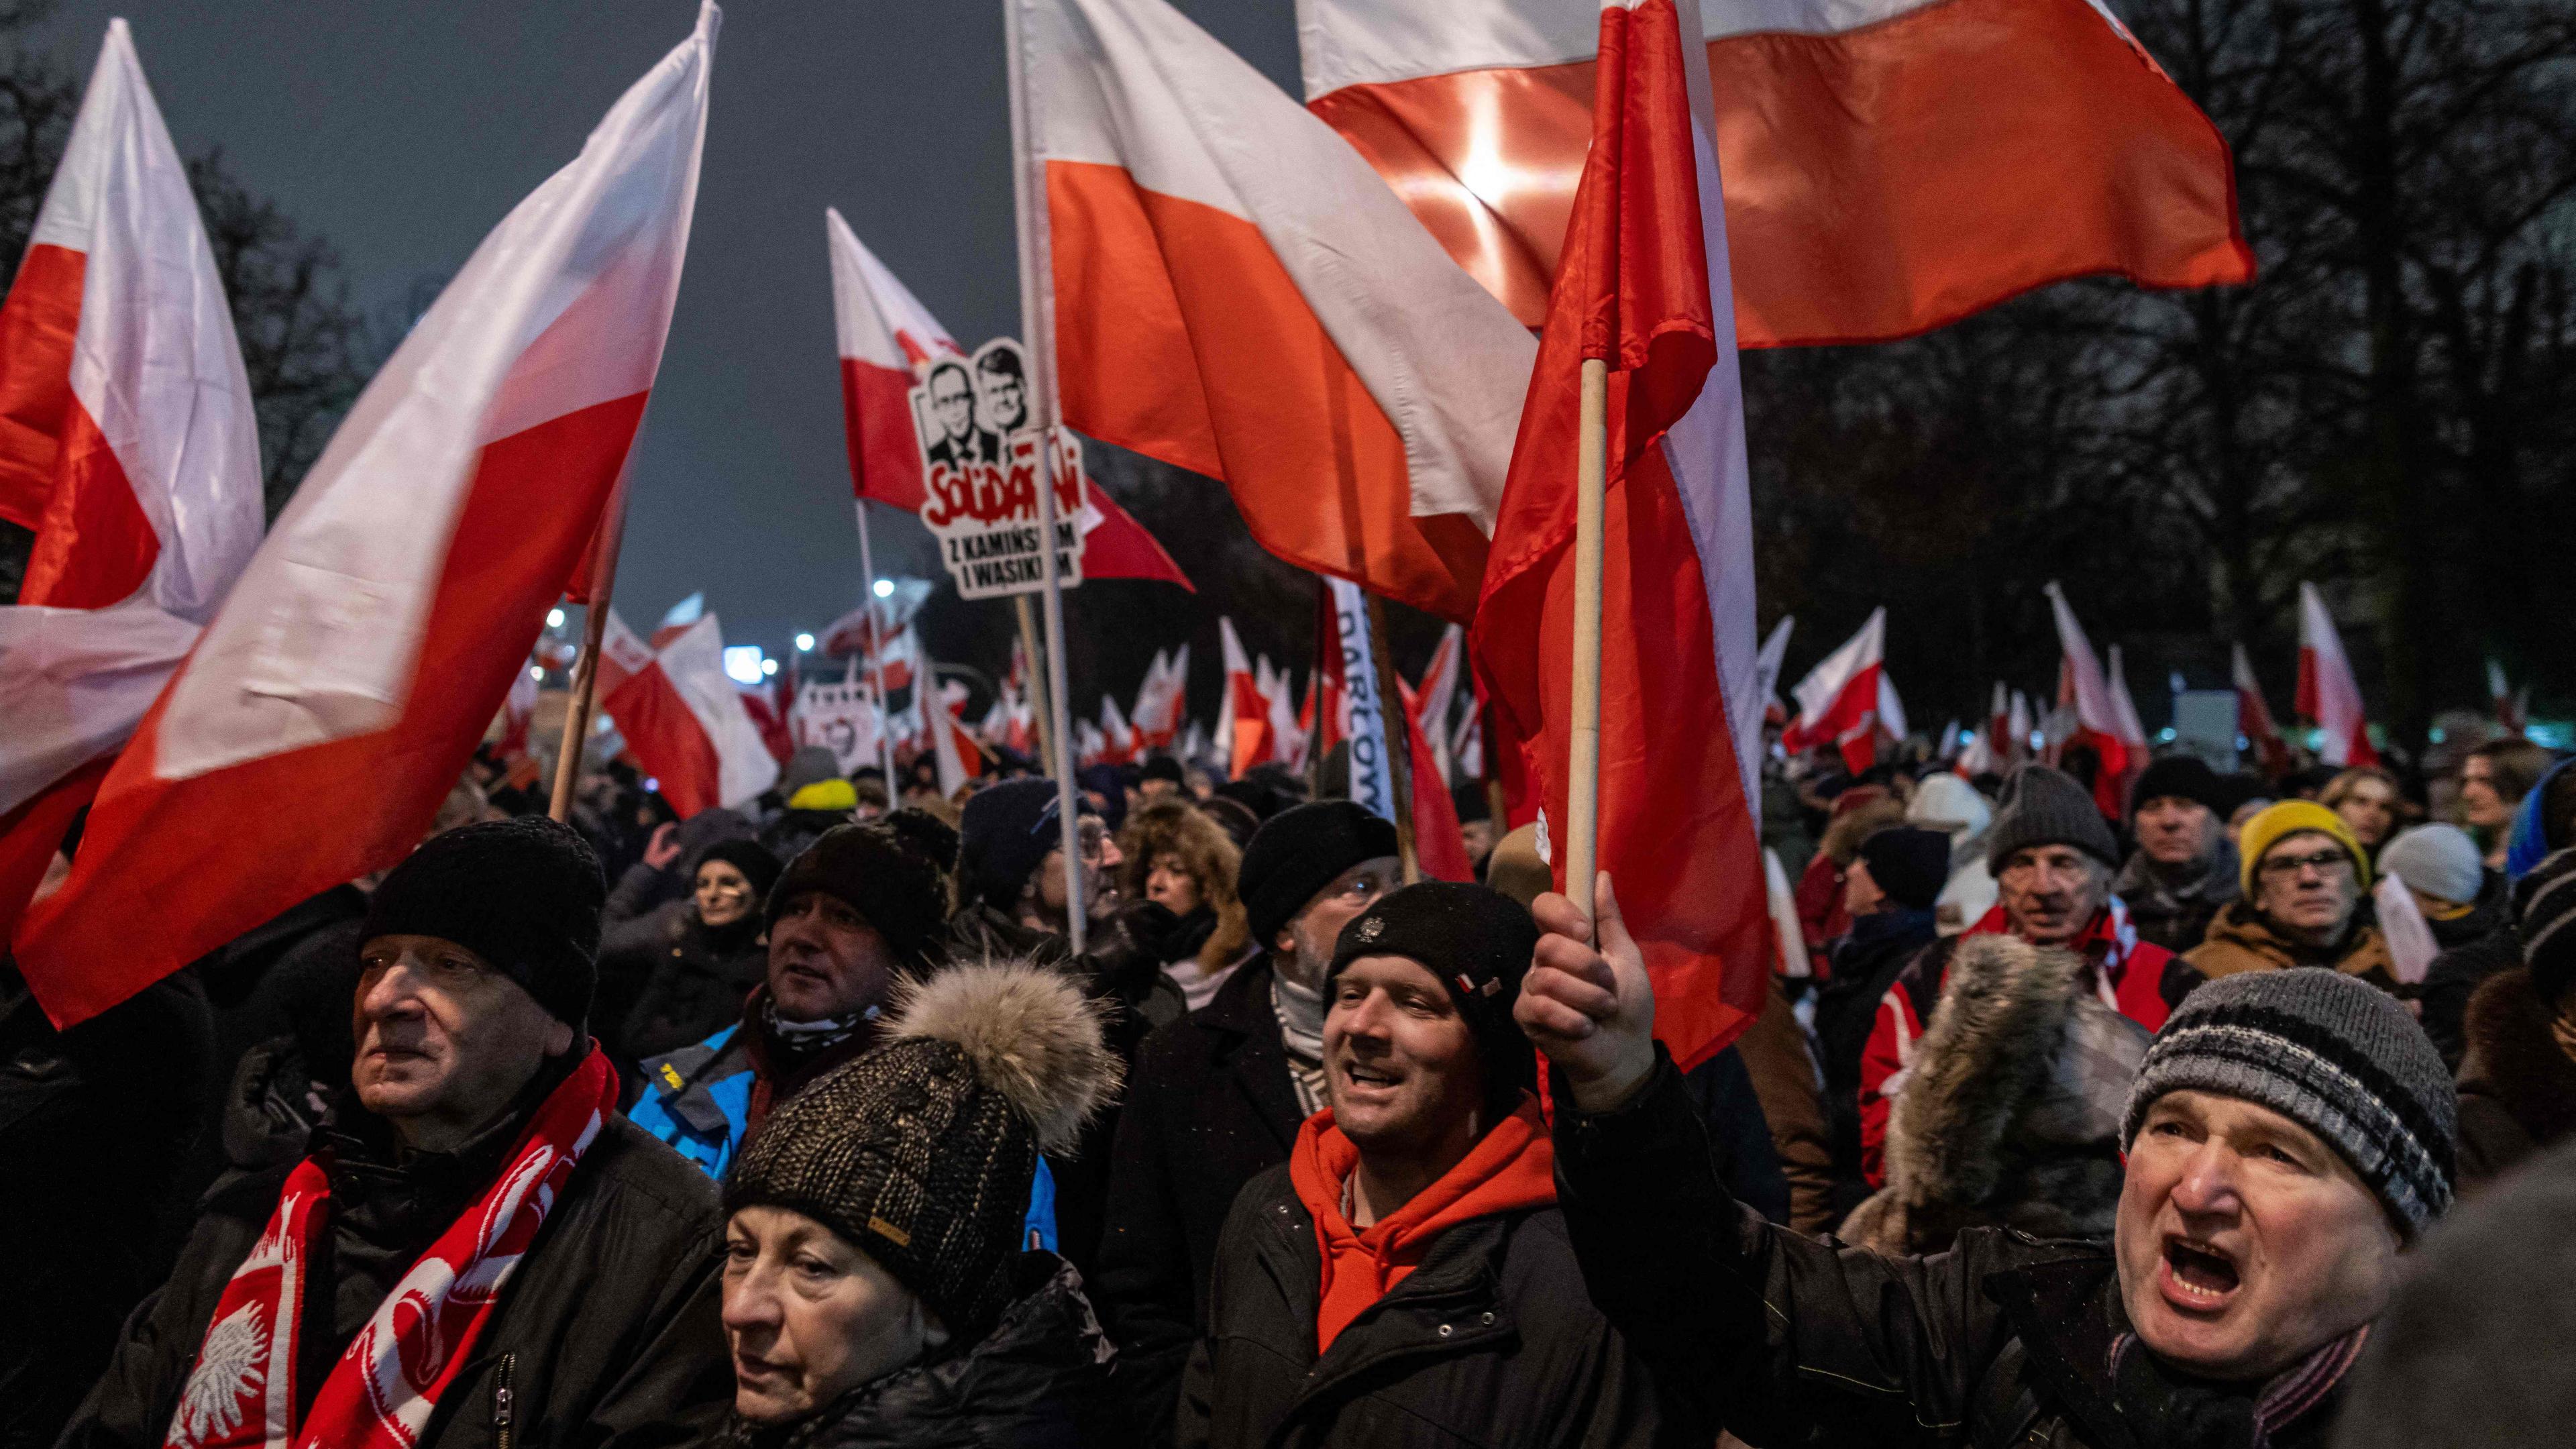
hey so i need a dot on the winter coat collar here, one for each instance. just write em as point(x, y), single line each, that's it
point(1248, 1049)
point(778, 1069)
point(2514, 1058)
point(1018, 1384)
point(2241, 939)
point(1511, 1169)
point(2083, 1354)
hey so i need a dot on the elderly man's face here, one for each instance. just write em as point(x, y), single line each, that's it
point(2050, 893)
point(444, 1039)
point(2245, 1242)
point(2174, 831)
point(2306, 885)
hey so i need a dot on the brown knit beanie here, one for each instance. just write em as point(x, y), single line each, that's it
point(921, 1153)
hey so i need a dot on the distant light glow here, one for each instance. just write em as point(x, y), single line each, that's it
point(804, 643)
point(885, 588)
point(554, 618)
point(537, 673)
point(768, 667)
point(742, 663)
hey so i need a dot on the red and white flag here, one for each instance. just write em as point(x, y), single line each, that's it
point(2082, 686)
point(681, 716)
point(1838, 701)
point(1118, 738)
point(373, 635)
point(2512, 707)
point(954, 749)
point(1891, 165)
point(1161, 699)
point(888, 340)
point(2254, 718)
point(1439, 845)
point(1243, 713)
point(2133, 733)
point(1233, 291)
point(858, 631)
point(2329, 696)
point(127, 443)
point(1644, 285)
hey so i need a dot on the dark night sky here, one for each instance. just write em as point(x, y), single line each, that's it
point(404, 132)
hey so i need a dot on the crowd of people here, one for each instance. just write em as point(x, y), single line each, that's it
point(807, 1124)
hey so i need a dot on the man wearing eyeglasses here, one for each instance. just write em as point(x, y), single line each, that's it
point(2305, 877)
point(2052, 855)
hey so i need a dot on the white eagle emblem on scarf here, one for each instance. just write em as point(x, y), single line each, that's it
point(228, 1377)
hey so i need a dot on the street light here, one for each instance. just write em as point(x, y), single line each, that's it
point(804, 643)
point(885, 588)
point(554, 618)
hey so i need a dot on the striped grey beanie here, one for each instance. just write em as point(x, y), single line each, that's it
point(2330, 1052)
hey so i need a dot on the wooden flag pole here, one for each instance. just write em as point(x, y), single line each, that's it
point(585, 669)
point(1392, 715)
point(1583, 768)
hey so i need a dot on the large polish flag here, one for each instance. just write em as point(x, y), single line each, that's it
point(2081, 684)
point(1233, 291)
point(376, 631)
point(128, 443)
point(681, 717)
point(1644, 286)
point(1891, 165)
point(2328, 693)
point(887, 340)
point(1839, 702)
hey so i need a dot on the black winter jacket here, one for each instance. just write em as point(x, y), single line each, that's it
point(93, 1123)
point(1033, 1381)
point(607, 1334)
point(666, 980)
point(1488, 1342)
point(2005, 1340)
point(1209, 1108)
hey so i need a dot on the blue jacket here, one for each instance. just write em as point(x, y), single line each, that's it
point(698, 1100)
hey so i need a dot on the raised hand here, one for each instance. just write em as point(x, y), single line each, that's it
point(664, 847)
point(1591, 1010)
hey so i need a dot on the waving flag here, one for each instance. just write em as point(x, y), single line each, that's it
point(1233, 291)
point(2082, 689)
point(2328, 694)
point(375, 633)
point(1644, 286)
point(1438, 695)
point(1891, 165)
point(127, 442)
point(2133, 734)
point(888, 339)
point(681, 717)
point(1839, 700)
point(1243, 713)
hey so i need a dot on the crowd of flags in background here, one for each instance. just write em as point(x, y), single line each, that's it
point(1323, 307)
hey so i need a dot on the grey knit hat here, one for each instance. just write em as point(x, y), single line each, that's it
point(921, 1153)
point(2042, 806)
point(2330, 1052)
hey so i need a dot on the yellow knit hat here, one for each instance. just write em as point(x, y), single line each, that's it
point(2292, 817)
point(832, 794)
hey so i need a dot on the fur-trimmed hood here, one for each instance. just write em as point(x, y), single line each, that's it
point(2011, 1112)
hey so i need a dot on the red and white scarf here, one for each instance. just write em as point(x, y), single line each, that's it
point(380, 1393)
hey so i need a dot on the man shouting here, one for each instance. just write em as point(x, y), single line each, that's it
point(2288, 1131)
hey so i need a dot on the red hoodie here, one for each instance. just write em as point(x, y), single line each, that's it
point(1512, 1168)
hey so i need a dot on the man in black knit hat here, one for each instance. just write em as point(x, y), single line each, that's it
point(1405, 1278)
point(2184, 868)
point(861, 907)
point(326, 1299)
point(1216, 1098)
